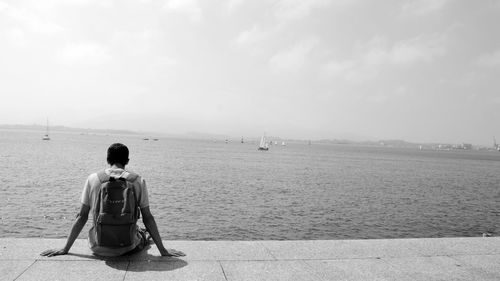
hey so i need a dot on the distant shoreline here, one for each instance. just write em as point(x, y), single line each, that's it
point(192, 135)
point(36, 127)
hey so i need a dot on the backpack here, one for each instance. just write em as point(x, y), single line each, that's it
point(116, 211)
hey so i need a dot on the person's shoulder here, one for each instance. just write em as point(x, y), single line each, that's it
point(94, 177)
point(135, 177)
point(132, 173)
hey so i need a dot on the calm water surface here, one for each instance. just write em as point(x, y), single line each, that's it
point(211, 190)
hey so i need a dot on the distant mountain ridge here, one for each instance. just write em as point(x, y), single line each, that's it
point(36, 127)
point(210, 136)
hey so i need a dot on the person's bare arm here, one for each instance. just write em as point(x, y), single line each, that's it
point(78, 225)
point(150, 223)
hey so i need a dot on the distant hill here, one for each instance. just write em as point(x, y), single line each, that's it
point(209, 136)
point(391, 143)
point(200, 135)
point(397, 143)
point(36, 127)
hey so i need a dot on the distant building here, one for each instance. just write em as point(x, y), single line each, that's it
point(466, 146)
point(444, 147)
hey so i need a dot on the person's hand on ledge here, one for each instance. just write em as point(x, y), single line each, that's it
point(53, 252)
point(171, 253)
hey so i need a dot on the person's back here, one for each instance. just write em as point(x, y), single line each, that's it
point(108, 235)
point(107, 196)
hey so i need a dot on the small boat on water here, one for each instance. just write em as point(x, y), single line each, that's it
point(263, 145)
point(46, 136)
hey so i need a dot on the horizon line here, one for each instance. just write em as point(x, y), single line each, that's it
point(204, 135)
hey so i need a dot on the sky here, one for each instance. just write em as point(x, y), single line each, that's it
point(417, 70)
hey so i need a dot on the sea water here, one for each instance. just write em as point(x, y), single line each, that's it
point(212, 190)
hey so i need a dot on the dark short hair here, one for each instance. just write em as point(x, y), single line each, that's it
point(117, 153)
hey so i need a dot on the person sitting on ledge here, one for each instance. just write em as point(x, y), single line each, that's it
point(115, 198)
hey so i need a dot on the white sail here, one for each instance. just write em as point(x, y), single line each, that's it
point(262, 142)
point(46, 137)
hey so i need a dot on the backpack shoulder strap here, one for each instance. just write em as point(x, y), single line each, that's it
point(130, 176)
point(103, 177)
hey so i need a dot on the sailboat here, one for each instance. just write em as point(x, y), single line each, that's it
point(263, 144)
point(46, 137)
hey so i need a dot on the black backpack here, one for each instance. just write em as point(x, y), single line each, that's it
point(116, 211)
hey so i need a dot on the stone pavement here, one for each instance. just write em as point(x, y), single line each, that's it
point(380, 259)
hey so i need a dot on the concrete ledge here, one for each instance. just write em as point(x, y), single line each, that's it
point(380, 259)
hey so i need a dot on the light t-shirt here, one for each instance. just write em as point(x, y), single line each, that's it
point(89, 197)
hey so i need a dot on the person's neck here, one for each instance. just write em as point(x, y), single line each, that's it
point(118, 166)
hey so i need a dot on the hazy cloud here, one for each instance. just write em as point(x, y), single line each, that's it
point(3, 6)
point(293, 58)
point(135, 42)
point(297, 9)
point(190, 8)
point(421, 48)
point(422, 7)
point(29, 20)
point(233, 4)
point(89, 53)
point(367, 63)
point(16, 37)
point(339, 68)
point(387, 62)
point(490, 59)
point(253, 35)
